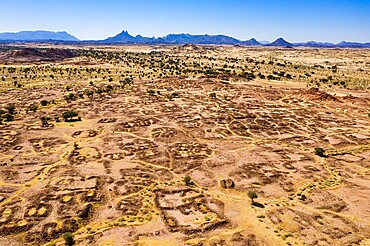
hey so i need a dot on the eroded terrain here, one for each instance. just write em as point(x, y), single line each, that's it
point(170, 161)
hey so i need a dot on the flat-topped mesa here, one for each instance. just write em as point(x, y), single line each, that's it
point(37, 36)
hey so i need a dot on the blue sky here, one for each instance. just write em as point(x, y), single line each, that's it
point(325, 20)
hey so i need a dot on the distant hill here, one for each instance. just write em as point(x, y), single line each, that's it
point(200, 39)
point(251, 42)
point(280, 42)
point(353, 45)
point(125, 37)
point(316, 44)
point(37, 36)
point(342, 44)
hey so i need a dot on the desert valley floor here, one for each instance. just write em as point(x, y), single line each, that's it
point(169, 142)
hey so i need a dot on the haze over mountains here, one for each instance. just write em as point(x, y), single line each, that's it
point(125, 38)
point(37, 36)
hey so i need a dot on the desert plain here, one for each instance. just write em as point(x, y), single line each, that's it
point(184, 145)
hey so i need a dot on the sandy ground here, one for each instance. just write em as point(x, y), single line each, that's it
point(117, 177)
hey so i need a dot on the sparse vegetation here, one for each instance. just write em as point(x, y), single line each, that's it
point(302, 197)
point(33, 107)
point(68, 239)
point(319, 152)
point(45, 120)
point(188, 181)
point(10, 108)
point(194, 113)
point(212, 95)
point(252, 195)
point(151, 92)
point(70, 116)
point(44, 103)
point(8, 117)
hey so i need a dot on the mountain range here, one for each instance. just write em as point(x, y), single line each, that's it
point(37, 36)
point(125, 38)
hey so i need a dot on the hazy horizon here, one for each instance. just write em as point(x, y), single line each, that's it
point(295, 21)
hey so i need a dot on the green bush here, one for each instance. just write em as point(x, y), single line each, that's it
point(150, 92)
point(68, 239)
point(175, 95)
point(70, 97)
point(302, 197)
point(44, 103)
point(188, 181)
point(70, 116)
point(45, 120)
point(90, 93)
point(33, 107)
point(8, 117)
point(320, 152)
point(10, 108)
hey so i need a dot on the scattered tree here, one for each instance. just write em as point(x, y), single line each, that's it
point(70, 116)
point(252, 195)
point(45, 120)
point(188, 181)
